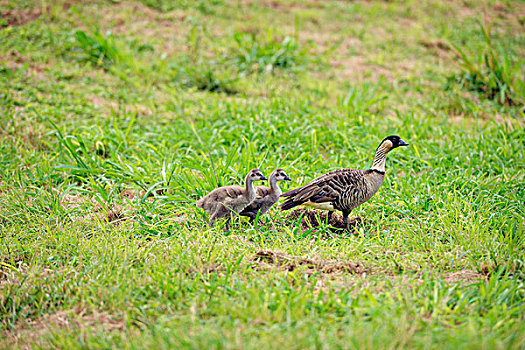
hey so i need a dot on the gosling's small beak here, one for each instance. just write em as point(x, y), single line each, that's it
point(403, 143)
point(286, 178)
point(263, 178)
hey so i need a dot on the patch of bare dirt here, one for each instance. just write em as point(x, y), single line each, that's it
point(11, 17)
point(111, 105)
point(112, 213)
point(133, 18)
point(463, 277)
point(212, 268)
point(134, 194)
point(69, 3)
point(9, 270)
point(283, 6)
point(268, 259)
point(116, 214)
point(69, 201)
point(33, 332)
point(509, 122)
point(315, 218)
point(357, 67)
point(439, 47)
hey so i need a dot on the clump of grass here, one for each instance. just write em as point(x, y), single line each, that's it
point(101, 49)
point(495, 71)
point(255, 55)
point(204, 76)
point(362, 99)
point(205, 6)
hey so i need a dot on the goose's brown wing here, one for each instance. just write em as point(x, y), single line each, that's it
point(326, 188)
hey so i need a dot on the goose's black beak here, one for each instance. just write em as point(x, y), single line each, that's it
point(286, 178)
point(403, 143)
point(263, 178)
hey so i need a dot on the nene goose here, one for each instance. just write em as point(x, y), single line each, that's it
point(230, 200)
point(265, 197)
point(344, 189)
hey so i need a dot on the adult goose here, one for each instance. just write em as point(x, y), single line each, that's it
point(345, 189)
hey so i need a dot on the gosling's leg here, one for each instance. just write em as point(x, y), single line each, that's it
point(329, 217)
point(214, 216)
point(228, 224)
point(253, 216)
point(231, 215)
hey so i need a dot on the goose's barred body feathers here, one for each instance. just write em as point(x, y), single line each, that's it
point(345, 189)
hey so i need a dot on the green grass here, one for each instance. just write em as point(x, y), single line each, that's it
point(495, 73)
point(116, 116)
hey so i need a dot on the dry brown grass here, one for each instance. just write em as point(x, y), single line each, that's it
point(316, 218)
point(20, 17)
point(266, 258)
point(39, 331)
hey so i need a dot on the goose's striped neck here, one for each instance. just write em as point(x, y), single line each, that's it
point(380, 156)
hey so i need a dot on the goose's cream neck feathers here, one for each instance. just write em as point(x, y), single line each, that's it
point(380, 156)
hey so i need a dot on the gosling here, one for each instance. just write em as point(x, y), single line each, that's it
point(345, 189)
point(265, 197)
point(230, 200)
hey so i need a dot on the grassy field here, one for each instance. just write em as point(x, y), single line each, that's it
point(115, 116)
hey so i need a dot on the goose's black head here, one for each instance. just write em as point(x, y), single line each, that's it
point(392, 142)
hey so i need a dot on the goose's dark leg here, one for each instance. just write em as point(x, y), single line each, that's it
point(345, 218)
point(329, 217)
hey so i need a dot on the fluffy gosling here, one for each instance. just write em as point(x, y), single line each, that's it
point(265, 197)
point(230, 200)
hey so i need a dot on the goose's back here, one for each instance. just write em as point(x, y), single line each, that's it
point(337, 190)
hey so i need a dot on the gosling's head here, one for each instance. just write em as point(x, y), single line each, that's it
point(391, 142)
point(256, 175)
point(279, 175)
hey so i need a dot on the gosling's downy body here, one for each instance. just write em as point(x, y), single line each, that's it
point(230, 200)
point(345, 189)
point(266, 197)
